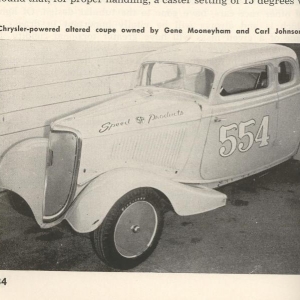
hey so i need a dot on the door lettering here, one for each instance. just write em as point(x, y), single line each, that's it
point(245, 139)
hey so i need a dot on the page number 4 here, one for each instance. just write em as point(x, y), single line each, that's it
point(3, 281)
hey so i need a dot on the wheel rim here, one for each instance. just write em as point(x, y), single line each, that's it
point(135, 229)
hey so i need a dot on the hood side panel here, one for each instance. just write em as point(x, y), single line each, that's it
point(162, 150)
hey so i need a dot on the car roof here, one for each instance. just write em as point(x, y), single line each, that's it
point(221, 56)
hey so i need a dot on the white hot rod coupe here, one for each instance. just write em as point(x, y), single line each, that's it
point(200, 116)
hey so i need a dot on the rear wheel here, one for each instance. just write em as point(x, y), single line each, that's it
point(131, 230)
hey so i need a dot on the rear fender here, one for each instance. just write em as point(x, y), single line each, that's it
point(22, 170)
point(95, 201)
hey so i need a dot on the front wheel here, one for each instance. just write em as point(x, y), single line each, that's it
point(131, 230)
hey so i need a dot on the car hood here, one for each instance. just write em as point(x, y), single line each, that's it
point(139, 109)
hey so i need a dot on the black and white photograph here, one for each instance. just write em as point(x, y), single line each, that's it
point(152, 157)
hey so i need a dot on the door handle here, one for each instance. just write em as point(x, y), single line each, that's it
point(216, 119)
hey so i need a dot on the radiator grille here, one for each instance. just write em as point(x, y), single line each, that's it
point(61, 172)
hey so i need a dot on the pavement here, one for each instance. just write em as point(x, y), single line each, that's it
point(257, 232)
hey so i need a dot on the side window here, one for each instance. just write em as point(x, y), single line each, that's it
point(285, 72)
point(245, 80)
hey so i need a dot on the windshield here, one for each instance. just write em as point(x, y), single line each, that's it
point(192, 78)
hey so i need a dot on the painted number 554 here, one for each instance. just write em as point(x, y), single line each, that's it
point(261, 137)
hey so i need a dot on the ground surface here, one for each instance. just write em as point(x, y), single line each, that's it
point(257, 232)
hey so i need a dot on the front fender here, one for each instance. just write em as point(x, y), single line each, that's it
point(22, 170)
point(95, 201)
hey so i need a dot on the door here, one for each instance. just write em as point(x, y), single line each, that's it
point(243, 126)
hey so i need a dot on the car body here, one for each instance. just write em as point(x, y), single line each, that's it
point(200, 116)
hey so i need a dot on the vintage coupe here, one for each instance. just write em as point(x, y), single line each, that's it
point(200, 116)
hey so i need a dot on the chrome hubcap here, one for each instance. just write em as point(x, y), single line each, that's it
point(135, 229)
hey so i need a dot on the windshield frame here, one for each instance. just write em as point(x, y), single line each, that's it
point(181, 69)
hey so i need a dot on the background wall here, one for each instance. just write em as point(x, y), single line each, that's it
point(41, 81)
